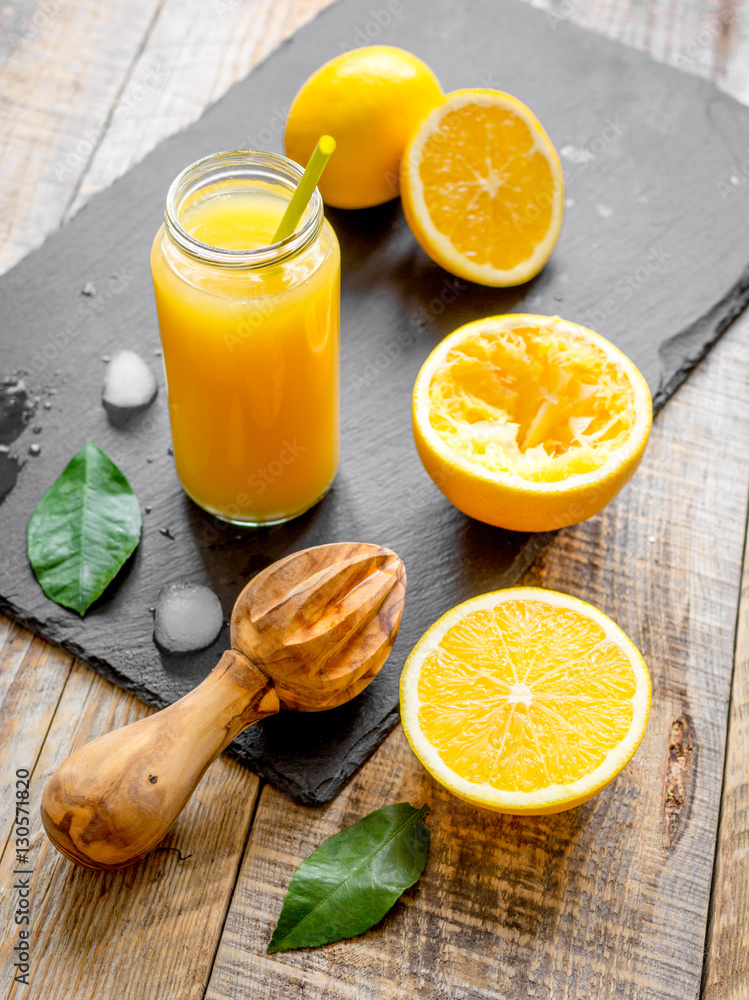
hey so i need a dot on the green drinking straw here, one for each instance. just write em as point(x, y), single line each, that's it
point(312, 174)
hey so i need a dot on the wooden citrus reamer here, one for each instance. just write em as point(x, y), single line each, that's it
point(307, 633)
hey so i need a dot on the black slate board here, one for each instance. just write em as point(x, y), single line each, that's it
point(653, 255)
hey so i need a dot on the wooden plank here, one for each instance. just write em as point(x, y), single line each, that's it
point(609, 900)
point(32, 680)
point(66, 64)
point(701, 37)
point(727, 959)
point(89, 89)
point(146, 931)
point(195, 51)
point(92, 57)
point(725, 32)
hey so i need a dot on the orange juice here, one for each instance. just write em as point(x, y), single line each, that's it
point(249, 331)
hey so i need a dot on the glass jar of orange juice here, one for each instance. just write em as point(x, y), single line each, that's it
point(249, 330)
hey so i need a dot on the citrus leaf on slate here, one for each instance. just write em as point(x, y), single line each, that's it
point(353, 878)
point(83, 529)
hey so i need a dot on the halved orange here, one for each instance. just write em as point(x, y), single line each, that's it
point(525, 700)
point(530, 422)
point(483, 188)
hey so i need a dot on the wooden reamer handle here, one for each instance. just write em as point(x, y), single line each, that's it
point(113, 800)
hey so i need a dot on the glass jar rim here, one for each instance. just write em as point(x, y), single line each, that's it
point(276, 167)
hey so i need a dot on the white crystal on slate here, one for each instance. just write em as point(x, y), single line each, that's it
point(129, 385)
point(188, 617)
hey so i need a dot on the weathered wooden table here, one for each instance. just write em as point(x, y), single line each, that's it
point(643, 892)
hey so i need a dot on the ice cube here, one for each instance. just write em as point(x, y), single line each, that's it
point(188, 617)
point(129, 386)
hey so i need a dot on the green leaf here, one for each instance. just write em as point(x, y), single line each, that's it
point(83, 529)
point(353, 878)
